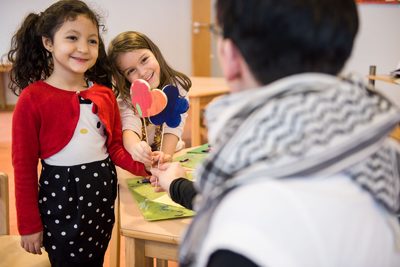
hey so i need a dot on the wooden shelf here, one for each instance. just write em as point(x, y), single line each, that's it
point(384, 78)
point(4, 69)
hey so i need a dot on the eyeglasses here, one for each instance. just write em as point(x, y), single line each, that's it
point(215, 29)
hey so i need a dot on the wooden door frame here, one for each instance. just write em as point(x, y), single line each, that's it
point(201, 41)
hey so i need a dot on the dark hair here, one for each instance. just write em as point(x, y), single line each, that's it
point(32, 62)
point(130, 41)
point(280, 38)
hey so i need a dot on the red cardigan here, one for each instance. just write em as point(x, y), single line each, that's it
point(44, 121)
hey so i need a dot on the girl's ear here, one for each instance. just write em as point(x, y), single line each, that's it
point(47, 43)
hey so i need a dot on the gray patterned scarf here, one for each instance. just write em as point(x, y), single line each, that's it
point(301, 126)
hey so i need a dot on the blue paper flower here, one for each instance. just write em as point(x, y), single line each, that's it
point(176, 105)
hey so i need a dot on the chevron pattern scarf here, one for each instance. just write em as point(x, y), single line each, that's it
point(301, 126)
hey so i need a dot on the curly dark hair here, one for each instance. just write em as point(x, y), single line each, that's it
point(32, 62)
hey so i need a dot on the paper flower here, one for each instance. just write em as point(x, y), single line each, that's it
point(176, 105)
point(147, 102)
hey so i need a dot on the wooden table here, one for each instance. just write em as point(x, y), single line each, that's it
point(146, 240)
point(204, 89)
point(3, 70)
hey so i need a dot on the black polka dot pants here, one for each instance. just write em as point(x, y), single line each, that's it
point(77, 209)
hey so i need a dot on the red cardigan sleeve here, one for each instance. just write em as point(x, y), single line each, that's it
point(108, 113)
point(25, 157)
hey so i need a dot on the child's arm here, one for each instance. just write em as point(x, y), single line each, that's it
point(25, 156)
point(169, 144)
point(139, 150)
point(129, 120)
point(132, 129)
point(119, 155)
point(172, 136)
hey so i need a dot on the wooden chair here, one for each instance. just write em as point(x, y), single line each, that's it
point(115, 242)
point(11, 253)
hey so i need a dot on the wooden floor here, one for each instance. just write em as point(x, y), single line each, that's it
point(6, 166)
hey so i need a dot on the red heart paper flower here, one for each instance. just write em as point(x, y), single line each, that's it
point(147, 102)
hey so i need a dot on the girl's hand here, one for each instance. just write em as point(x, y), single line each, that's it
point(32, 243)
point(163, 176)
point(141, 152)
point(160, 157)
point(166, 158)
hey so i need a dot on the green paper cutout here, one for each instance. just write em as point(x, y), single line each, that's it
point(191, 160)
point(203, 149)
point(151, 210)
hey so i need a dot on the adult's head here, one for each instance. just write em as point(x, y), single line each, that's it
point(280, 38)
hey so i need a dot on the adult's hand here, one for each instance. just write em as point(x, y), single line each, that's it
point(163, 176)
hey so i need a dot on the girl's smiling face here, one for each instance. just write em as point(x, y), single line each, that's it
point(75, 46)
point(140, 64)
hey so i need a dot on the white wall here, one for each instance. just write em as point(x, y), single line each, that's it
point(168, 23)
point(378, 43)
